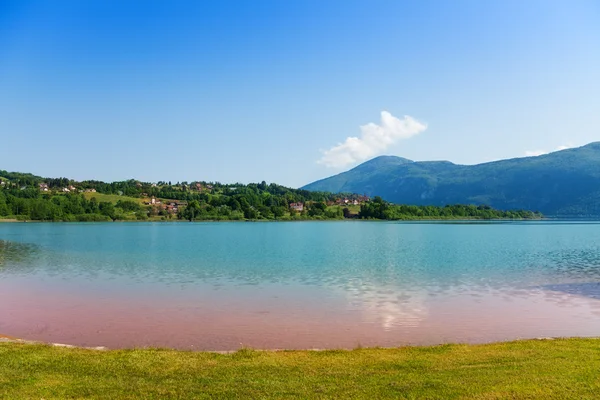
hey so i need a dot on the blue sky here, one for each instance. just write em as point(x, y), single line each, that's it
point(245, 91)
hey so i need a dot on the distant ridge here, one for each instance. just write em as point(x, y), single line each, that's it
point(563, 183)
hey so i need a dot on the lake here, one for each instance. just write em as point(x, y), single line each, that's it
point(222, 286)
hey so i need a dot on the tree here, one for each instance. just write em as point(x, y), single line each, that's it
point(346, 212)
point(317, 209)
point(108, 209)
point(192, 210)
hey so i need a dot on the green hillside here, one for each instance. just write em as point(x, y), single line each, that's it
point(112, 198)
point(564, 183)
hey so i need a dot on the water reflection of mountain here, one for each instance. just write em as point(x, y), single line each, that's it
point(587, 289)
point(577, 264)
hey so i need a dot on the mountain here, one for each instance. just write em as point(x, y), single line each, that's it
point(563, 183)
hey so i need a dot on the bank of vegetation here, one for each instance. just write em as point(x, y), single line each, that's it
point(29, 197)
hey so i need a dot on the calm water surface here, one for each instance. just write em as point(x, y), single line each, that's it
point(220, 286)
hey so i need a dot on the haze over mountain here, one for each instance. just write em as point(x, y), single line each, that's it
point(563, 183)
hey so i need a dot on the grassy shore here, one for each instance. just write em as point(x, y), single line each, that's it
point(544, 369)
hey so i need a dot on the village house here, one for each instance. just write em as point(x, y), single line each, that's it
point(72, 188)
point(297, 206)
point(44, 187)
point(174, 207)
point(353, 200)
point(153, 202)
point(66, 190)
point(90, 190)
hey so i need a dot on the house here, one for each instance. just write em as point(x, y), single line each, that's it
point(66, 190)
point(90, 190)
point(153, 202)
point(297, 206)
point(174, 207)
point(44, 187)
point(2, 183)
point(72, 188)
point(171, 208)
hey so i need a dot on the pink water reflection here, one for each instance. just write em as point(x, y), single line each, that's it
point(276, 317)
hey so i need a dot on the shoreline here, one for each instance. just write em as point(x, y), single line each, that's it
point(12, 339)
point(15, 340)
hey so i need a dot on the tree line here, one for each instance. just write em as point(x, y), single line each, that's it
point(380, 209)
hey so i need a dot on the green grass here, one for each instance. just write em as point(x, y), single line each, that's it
point(351, 207)
point(535, 369)
point(112, 198)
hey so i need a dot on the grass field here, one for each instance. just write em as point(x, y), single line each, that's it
point(535, 369)
point(113, 198)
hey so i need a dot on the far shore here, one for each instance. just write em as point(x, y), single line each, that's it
point(12, 220)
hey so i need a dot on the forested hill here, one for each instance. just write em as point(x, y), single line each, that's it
point(563, 183)
point(30, 197)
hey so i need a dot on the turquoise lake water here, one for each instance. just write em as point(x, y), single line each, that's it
point(221, 286)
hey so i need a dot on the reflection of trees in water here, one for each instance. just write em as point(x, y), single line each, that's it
point(15, 255)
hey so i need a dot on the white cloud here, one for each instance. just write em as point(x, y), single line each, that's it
point(563, 147)
point(373, 140)
point(535, 153)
